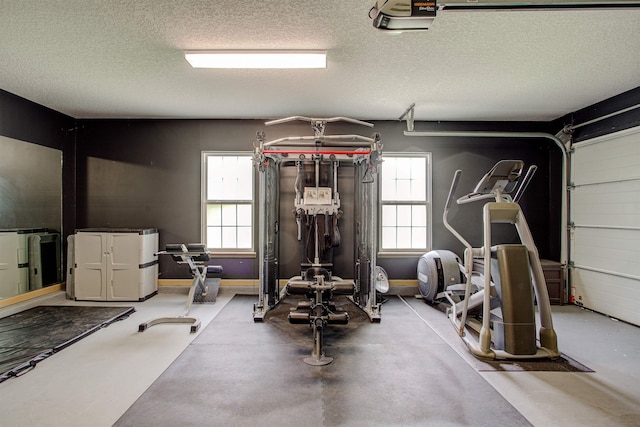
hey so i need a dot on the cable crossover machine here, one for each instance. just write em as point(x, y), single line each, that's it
point(317, 214)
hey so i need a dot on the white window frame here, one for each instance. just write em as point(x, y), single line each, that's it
point(205, 202)
point(403, 252)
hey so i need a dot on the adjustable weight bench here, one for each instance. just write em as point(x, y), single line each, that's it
point(196, 256)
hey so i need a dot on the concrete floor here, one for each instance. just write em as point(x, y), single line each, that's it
point(93, 382)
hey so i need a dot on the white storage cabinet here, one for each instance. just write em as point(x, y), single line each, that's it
point(115, 264)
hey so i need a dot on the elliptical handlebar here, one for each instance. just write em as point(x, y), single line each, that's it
point(445, 214)
point(452, 190)
point(525, 182)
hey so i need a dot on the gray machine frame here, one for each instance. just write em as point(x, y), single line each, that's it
point(364, 153)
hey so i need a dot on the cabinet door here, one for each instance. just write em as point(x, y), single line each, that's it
point(124, 271)
point(8, 265)
point(90, 266)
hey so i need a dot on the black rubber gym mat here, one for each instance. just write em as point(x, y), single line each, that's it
point(394, 373)
point(31, 336)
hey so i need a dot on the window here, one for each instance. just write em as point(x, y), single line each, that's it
point(404, 200)
point(227, 202)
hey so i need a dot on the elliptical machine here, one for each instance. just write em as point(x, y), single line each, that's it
point(491, 295)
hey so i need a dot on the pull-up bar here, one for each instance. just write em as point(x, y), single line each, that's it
point(311, 152)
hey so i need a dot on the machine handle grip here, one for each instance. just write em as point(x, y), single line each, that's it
point(452, 190)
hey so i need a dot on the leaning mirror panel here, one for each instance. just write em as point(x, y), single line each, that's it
point(30, 216)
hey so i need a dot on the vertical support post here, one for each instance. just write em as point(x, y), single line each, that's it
point(259, 309)
point(371, 198)
point(271, 209)
point(365, 239)
point(268, 210)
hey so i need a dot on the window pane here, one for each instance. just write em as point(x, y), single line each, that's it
point(388, 187)
point(389, 237)
point(245, 179)
point(388, 178)
point(388, 215)
point(229, 215)
point(404, 237)
point(418, 176)
point(419, 215)
point(229, 237)
point(403, 168)
point(214, 237)
point(404, 179)
point(244, 237)
point(229, 178)
point(418, 190)
point(418, 168)
point(389, 165)
point(403, 190)
point(404, 215)
point(231, 234)
point(419, 238)
point(214, 179)
point(229, 172)
point(214, 214)
point(244, 214)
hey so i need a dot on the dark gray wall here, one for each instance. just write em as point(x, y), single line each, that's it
point(146, 173)
point(34, 124)
point(27, 121)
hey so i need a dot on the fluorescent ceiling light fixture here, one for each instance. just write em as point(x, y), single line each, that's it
point(256, 58)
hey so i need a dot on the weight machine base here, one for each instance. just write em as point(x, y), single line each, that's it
point(261, 308)
point(194, 321)
point(373, 312)
point(314, 361)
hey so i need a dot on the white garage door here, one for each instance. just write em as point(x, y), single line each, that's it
point(605, 213)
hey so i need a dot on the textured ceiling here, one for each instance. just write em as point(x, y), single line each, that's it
point(124, 58)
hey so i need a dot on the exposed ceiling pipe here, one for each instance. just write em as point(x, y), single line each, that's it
point(538, 135)
point(571, 128)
